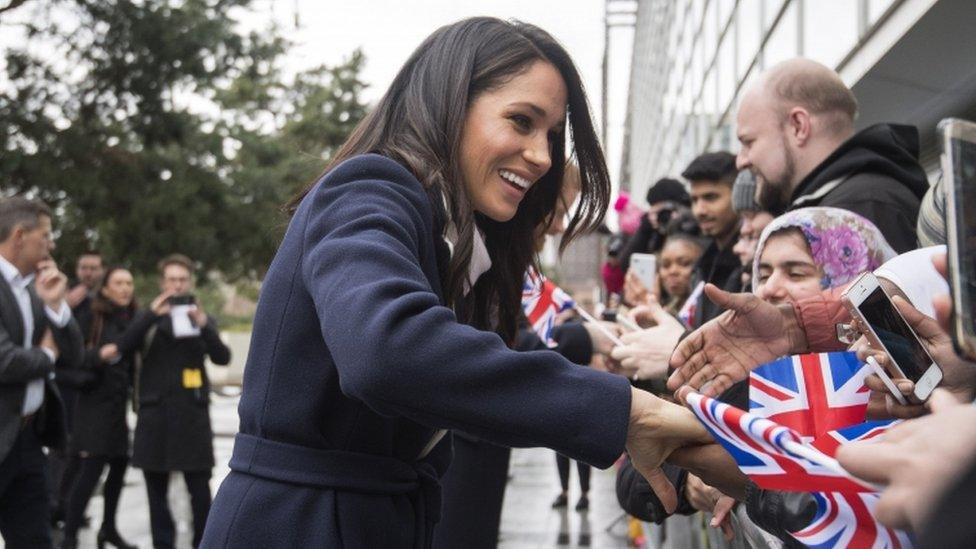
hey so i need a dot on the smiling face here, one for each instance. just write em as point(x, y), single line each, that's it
point(507, 139)
point(787, 271)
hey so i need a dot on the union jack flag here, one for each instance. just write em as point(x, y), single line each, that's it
point(846, 519)
point(811, 394)
point(542, 301)
point(762, 450)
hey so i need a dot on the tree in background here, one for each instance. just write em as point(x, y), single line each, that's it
point(154, 126)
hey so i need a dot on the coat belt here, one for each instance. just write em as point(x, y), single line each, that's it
point(343, 471)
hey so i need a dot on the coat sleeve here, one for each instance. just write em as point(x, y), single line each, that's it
point(572, 342)
point(819, 316)
point(399, 351)
point(132, 338)
point(19, 364)
point(217, 350)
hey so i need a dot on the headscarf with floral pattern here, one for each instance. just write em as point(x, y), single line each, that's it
point(843, 244)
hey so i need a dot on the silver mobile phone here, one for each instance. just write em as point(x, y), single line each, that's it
point(959, 177)
point(645, 267)
point(889, 332)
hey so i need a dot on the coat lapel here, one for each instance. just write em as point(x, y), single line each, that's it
point(10, 313)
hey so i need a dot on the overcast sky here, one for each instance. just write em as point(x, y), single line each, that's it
point(389, 30)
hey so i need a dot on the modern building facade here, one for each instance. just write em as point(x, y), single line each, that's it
point(908, 61)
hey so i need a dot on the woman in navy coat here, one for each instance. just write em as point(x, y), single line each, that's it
point(385, 317)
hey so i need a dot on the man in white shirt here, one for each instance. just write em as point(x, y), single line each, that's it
point(35, 327)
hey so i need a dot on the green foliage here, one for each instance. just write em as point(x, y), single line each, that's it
point(155, 126)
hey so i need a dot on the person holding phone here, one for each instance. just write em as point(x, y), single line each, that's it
point(172, 397)
point(386, 316)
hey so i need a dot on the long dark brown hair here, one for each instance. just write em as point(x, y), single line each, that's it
point(419, 122)
point(103, 307)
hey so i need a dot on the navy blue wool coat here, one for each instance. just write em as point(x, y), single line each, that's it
point(355, 363)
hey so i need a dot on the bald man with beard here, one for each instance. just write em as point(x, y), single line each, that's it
point(796, 128)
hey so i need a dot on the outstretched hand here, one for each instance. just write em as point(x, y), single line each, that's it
point(724, 350)
point(645, 354)
point(658, 428)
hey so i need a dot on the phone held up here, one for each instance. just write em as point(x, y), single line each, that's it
point(888, 331)
point(959, 177)
point(183, 299)
point(644, 267)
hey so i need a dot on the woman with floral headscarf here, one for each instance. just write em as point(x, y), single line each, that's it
point(799, 254)
point(811, 249)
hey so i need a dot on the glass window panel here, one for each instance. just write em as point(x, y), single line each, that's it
point(697, 69)
point(876, 9)
point(710, 94)
point(840, 16)
point(782, 42)
point(726, 71)
point(725, 8)
point(749, 33)
point(697, 8)
point(770, 9)
point(710, 33)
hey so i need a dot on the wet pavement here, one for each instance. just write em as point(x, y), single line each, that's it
point(527, 519)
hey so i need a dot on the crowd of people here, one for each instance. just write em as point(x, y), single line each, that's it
point(93, 353)
point(392, 365)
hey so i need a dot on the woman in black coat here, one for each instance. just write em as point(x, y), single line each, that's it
point(101, 435)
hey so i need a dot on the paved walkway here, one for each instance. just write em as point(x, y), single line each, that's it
point(527, 519)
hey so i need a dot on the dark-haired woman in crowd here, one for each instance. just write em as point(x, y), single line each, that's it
point(101, 435)
point(386, 316)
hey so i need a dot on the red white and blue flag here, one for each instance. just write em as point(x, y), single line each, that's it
point(812, 393)
point(819, 399)
point(542, 301)
point(764, 451)
point(846, 519)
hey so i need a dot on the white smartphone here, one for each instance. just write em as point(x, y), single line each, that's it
point(645, 267)
point(959, 179)
point(888, 331)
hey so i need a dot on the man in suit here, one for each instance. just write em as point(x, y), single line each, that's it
point(35, 328)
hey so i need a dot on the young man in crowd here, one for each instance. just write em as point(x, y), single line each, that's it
point(796, 127)
point(89, 271)
point(711, 176)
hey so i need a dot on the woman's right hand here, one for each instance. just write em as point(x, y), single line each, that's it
point(108, 352)
point(658, 428)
